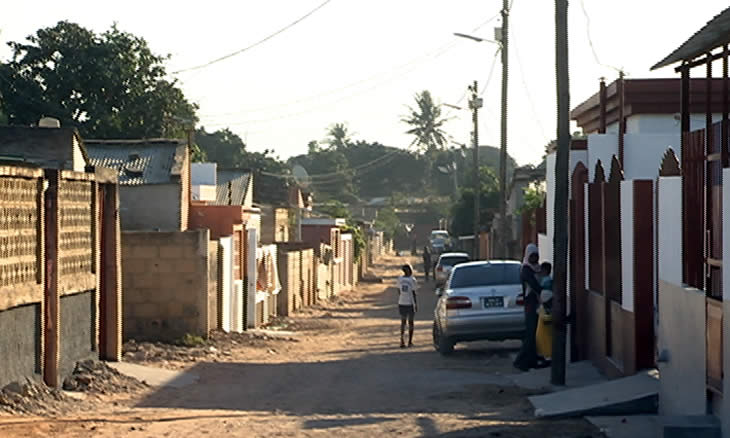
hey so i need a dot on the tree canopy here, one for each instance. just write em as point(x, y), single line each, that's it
point(426, 123)
point(108, 85)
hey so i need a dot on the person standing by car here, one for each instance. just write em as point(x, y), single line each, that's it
point(427, 262)
point(407, 305)
point(527, 357)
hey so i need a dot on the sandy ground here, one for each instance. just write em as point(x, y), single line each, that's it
point(341, 373)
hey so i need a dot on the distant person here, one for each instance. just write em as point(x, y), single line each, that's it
point(407, 305)
point(427, 263)
point(531, 289)
point(544, 333)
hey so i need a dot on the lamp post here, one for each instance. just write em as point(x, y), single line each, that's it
point(502, 42)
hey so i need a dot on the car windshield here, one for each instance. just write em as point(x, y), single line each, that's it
point(485, 275)
point(453, 260)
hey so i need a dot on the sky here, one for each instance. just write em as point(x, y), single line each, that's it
point(362, 62)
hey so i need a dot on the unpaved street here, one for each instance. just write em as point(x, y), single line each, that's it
point(343, 374)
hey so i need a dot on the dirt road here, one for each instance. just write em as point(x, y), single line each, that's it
point(345, 375)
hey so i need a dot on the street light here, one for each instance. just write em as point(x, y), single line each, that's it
point(501, 36)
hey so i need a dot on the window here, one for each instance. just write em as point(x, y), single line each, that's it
point(453, 260)
point(485, 275)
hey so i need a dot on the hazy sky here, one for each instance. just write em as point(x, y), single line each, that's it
point(361, 62)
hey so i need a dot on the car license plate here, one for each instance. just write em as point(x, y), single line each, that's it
point(490, 302)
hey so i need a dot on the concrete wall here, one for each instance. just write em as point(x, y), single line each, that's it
point(662, 123)
point(219, 219)
point(682, 336)
point(627, 245)
point(165, 284)
point(225, 284)
point(213, 269)
point(545, 246)
point(20, 343)
point(669, 232)
point(150, 207)
point(601, 147)
point(78, 331)
point(725, 406)
point(643, 154)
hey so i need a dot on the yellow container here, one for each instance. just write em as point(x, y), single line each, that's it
point(544, 335)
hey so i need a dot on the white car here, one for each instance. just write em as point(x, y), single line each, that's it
point(445, 263)
point(481, 301)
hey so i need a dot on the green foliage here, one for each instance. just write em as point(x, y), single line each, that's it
point(189, 340)
point(334, 209)
point(108, 85)
point(533, 198)
point(229, 151)
point(388, 222)
point(338, 136)
point(357, 237)
point(426, 123)
point(335, 182)
point(463, 210)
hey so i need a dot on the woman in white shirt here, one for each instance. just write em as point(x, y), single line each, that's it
point(407, 304)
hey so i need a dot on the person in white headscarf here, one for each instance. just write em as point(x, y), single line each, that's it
point(527, 357)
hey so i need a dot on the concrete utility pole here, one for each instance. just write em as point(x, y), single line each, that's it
point(560, 239)
point(474, 104)
point(503, 146)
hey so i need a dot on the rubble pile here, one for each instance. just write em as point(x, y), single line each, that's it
point(97, 377)
point(32, 397)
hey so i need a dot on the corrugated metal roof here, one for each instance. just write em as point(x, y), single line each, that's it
point(231, 186)
point(714, 34)
point(155, 161)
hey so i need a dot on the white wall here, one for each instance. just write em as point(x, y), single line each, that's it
point(659, 123)
point(203, 174)
point(725, 415)
point(627, 245)
point(549, 200)
point(669, 230)
point(545, 245)
point(643, 154)
point(252, 239)
point(603, 147)
point(226, 267)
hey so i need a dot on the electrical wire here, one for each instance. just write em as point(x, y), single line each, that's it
point(590, 39)
point(435, 53)
point(238, 52)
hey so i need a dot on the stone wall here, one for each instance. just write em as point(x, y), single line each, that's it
point(165, 281)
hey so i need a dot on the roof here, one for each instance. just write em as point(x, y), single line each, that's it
point(714, 34)
point(231, 186)
point(645, 96)
point(44, 147)
point(329, 222)
point(140, 162)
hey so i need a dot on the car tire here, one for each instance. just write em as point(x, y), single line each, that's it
point(443, 345)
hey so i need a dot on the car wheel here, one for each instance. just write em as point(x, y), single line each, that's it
point(442, 344)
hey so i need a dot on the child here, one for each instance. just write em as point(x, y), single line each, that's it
point(407, 303)
point(546, 282)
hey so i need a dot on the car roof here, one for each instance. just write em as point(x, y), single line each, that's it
point(454, 254)
point(486, 262)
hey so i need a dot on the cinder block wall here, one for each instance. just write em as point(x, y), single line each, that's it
point(165, 283)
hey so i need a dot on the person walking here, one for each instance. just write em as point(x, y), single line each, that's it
point(531, 289)
point(407, 304)
point(427, 261)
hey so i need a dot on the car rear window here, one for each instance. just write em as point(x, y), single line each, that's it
point(485, 275)
point(452, 261)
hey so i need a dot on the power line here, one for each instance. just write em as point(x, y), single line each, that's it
point(435, 53)
point(238, 52)
point(590, 40)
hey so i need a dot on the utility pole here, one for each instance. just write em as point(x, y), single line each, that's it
point(560, 239)
point(474, 104)
point(502, 247)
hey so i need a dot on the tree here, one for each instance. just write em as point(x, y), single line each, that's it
point(108, 85)
point(229, 151)
point(335, 209)
point(463, 210)
point(338, 136)
point(426, 123)
point(534, 196)
point(388, 222)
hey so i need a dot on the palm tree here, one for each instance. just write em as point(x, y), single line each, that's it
point(426, 124)
point(338, 136)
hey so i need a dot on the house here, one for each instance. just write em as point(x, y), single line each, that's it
point(58, 212)
point(283, 204)
point(521, 179)
point(154, 179)
point(693, 236)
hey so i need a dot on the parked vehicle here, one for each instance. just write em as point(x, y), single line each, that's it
point(440, 234)
point(445, 263)
point(481, 301)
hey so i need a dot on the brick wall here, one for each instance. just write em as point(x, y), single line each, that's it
point(165, 281)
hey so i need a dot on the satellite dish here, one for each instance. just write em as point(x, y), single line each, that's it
point(301, 176)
